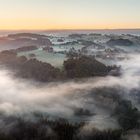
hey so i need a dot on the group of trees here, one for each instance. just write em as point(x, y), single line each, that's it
point(82, 112)
point(120, 42)
point(39, 71)
point(84, 66)
point(41, 128)
point(26, 48)
point(74, 67)
point(103, 135)
point(128, 116)
point(60, 129)
point(31, 68)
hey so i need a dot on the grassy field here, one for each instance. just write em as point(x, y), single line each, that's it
point(55, 59)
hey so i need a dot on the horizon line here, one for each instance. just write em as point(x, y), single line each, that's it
point(68, 29)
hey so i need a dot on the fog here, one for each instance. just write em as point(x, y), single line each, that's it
point(20, 97)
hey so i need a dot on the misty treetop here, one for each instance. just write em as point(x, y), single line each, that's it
point(79, 67)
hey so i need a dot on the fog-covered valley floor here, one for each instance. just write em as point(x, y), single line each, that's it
point(91, 100)
point(85, 83)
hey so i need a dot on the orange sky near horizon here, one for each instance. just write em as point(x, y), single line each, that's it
point(69, 14)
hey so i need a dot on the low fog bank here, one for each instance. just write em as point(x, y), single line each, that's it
point(90, 100)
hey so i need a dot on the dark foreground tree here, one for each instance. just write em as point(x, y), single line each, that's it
point(84, 66)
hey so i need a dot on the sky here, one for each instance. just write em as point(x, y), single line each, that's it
point(69, 14)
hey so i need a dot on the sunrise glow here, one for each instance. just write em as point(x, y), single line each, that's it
point(69, 14)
